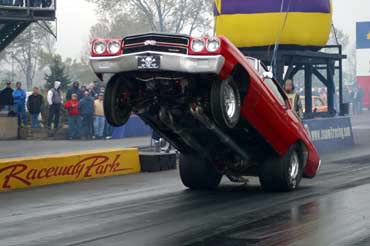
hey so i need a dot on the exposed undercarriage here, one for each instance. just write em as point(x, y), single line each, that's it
point(178, 106)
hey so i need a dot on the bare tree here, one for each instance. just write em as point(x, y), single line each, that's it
point(175, 16)
point(26, 51)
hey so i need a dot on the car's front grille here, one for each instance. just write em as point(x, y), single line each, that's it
point(156, 42)
point(170, 49)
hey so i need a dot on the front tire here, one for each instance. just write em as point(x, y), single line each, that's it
point(117, 101)
point(197, 173)
point(282, 174)
point(225, 103)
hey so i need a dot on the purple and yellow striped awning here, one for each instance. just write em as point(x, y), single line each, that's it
point(256, 23)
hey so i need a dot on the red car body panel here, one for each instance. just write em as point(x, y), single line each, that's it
point(278, 124)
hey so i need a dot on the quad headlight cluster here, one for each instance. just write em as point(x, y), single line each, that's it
point(112, 47)
point(210, 45)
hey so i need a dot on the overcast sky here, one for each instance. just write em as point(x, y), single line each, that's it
point(75, 17)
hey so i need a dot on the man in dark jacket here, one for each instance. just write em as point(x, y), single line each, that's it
point(34, 105)
point(86, 109)
point(75, 89)
point(6, 97)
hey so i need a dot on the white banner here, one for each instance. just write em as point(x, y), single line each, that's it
point(363, 62)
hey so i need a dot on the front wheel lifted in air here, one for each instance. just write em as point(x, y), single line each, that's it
point(118, 101)
point(225, 103)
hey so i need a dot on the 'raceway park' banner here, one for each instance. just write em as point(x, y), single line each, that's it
point(29, 172)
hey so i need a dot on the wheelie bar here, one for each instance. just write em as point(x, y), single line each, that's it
point(197, 112)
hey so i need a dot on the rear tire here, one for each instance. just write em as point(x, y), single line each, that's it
point(117, 101)
point(197, 173)
point(225, 103)
point(282, 174)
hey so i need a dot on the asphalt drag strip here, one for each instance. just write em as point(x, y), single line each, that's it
point(156, 209)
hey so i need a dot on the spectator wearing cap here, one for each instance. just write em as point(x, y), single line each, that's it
point(86, 109)
point(74, 119)
point(34, 105)
point(55, 100)
point(6, 97)
point(19, 98)
point(75, 89)
point(99, 122)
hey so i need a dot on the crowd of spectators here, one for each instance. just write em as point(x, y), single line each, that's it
point(83, 106)
point(25, 3)
point(352, 94)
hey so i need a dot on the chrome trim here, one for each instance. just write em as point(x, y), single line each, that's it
point(169, 62)
point(158, 35)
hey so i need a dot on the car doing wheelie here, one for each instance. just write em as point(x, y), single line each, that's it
point(223, 111)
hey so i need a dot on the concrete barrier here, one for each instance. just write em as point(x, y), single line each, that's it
point(8, 127)
point(27, 172)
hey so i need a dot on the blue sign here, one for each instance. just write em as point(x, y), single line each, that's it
point(330, 134)
point(363, 35)
point(135, 127)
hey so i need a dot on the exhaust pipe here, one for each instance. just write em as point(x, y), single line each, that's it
point(197, 112)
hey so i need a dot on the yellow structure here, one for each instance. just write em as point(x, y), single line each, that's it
point(44, 170)
point(259, 23)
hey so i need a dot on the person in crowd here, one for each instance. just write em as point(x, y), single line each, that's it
point(315, 92)
point(108, 130)
point(6, 2)
point(55, 100)
point(86, 109)
point(323, 96)
point(19, 98)
point(93, 90)
point(75, 89)
point(35, 3)
point(294, 99)
point(99, 117)
point(19, 3)
point(6, 97)
point(82, 90)
point(34, 106)
point(74, 119)
point(358, 97)
point(101, 86)
point(46, 3)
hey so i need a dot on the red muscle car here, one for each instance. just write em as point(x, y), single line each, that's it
point(223, 111)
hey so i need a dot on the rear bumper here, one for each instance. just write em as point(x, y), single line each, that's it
point(169, 62)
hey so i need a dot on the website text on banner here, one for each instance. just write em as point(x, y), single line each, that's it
point(45, 170)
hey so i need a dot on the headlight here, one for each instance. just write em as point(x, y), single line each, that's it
point(197, 45)
point(100, 47)
point(114, 47)
point(213, 44)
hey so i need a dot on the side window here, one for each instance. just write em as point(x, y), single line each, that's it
point(274, 89)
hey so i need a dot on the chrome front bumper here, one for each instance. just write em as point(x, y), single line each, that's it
point(169, 62)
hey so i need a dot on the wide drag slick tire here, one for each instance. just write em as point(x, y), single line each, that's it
point(197, 173)
point(117, 101)
point(225, 103)
point(282, 174)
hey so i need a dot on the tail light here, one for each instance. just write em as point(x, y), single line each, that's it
point(107, 47)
